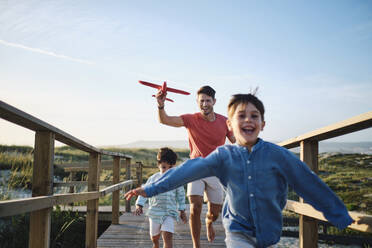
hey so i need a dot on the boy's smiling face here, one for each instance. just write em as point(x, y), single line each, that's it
point(246, 123)
point(164, 166)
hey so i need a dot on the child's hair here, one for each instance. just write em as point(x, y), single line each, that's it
point(167, 155)
point(209, 91)
point(245, 99)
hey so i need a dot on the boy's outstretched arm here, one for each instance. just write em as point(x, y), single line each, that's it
point(133, 192)
point(191, 170)
point(315, 192)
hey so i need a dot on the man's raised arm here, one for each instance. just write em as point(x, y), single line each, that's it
point(174, 121)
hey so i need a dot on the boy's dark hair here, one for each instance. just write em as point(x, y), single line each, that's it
point(167, 155)
point(209, 91)
point(245, 99)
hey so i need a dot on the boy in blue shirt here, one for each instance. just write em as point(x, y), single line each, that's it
point(163, 207)
point(255, 175)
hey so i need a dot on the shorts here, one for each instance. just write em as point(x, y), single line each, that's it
point(156, 228)
point(241, 240)
point(210, 187)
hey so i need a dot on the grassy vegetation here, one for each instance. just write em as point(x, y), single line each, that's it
point(350, 176)
point(67, 227)
point(67, 230)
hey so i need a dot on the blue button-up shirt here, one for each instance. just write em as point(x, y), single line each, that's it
point(256, 186)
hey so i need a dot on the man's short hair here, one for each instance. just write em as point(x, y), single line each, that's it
point(167, 155)
point(208, 90)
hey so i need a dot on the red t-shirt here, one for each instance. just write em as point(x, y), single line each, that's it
point(205, 136)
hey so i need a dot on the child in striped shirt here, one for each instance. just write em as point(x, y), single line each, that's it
point(163, 208)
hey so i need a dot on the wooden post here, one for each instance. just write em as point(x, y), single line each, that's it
point(72, 177)
point(92, 205)
point(115, 194)
point(127, 172)
point(42, 184)
point(139, 174)
point(308, 227)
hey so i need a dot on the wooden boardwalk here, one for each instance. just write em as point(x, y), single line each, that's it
point(133, 231)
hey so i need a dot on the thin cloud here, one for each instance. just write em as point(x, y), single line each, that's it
point(37, 50)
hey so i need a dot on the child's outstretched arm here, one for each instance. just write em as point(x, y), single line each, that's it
point(138, 191)
point(191, 170)
point(315, 192)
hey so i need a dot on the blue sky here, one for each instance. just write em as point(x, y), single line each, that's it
point(76, 64)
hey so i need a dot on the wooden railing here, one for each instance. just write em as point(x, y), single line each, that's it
point(74, 168)
point(42, 201)
point(309, 150)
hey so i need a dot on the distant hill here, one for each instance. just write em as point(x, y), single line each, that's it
point(344, 147)
point(340, 147)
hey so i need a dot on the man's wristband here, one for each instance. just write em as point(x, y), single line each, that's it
point(161, 107)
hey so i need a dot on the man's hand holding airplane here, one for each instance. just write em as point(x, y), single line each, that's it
point(160, 97)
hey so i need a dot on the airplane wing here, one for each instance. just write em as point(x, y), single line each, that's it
point(159, 87)
point(150, 84)
point(178, 91)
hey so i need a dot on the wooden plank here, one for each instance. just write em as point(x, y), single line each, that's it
point(83, 209)
point(25, 205)
point(133, 231)
point(116, 187)
point(42, 184)
point(85, 169)
point(363, 221)
point(28, 121)
point(92, 205)
point(79, 183)
point(20, 206)
point(353, 124)
point(308, 227)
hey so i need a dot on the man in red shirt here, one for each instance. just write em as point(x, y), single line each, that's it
point(206, 131)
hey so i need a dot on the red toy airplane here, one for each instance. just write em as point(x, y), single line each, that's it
point(164, 88)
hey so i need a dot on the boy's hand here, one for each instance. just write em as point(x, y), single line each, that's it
point(183, 216)
point(139, 210)
point(133, 192)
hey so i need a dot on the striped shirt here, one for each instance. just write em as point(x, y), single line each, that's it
point(165, 204)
